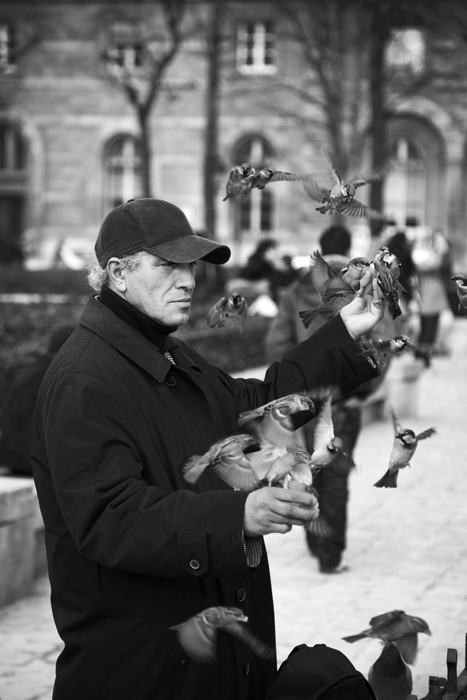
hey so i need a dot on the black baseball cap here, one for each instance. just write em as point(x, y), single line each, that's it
point(158, 227)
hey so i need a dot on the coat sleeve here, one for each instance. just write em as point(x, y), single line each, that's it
point(92, 483)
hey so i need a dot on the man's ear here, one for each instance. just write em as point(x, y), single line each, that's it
point(116, 275)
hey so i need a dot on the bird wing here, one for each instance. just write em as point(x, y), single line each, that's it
point(324, 430)
point(360, 180)
point(328, 158)
point(241, 632)
point(282, 175)
point(315, 192)
point(236, 471)
point(396, 424)
point(324, 276)
point(216, 315)
point(426, 434)
point(198, 638)
point(408, 646)
point(384, 618)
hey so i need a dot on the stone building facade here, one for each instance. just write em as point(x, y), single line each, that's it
point(69, 139)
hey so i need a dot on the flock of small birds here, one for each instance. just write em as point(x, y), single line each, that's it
point(265, 453)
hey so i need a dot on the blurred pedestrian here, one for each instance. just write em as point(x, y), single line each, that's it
point(433, 264)
point(133, 549)
point(18, 408)
point(268, 262)
point(287, 330)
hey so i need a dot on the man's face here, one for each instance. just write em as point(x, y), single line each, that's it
point(161, 289)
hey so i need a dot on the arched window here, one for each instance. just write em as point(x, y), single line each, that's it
point(405, 189)
point(122, 164)
point(13, 189)
point(255, 212)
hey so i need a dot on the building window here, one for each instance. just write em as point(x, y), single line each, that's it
point(256, 48)
point(255, 211)
point(124, 46)
point(406, 51)
point(12, 149)
point(7, 41)
point(122, 162)
point(405, 186)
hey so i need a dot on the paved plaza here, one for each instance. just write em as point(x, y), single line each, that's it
point(407, 550)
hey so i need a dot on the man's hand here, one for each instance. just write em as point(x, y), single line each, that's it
point(272, 509)
point(364, 312)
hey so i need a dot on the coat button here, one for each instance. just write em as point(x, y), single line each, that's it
point(194, 563)
point(241, 595)
point(170, 380)
point(246, 668)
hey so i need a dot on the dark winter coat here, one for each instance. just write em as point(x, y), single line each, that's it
point(132, 548)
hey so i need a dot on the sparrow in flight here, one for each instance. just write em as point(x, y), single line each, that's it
point(398, 627)
point(389, 676)
point(388, 346)
point(273, 422)
point(198, 634)
point(326, 446)
point(227, 307)
point(404, 446)
point(257, 180)
point(354, 271)
point(239, 179)
point(228, 459)
point(334, 291)
point(461, 283)
point(340, 198)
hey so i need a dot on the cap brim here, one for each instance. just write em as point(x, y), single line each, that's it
point(188, 249)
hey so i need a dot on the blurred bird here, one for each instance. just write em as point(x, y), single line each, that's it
point(387, 283)
point(385, 347)
point(461, 283)
point(258, 180)
point(326, 446)
point(334, 291)
point(340, 198)
point(389, 676)
point(273, 422)
point(228, 459)
point(404, 446)
point(198, 634)
point(398, 627)
point(228, 307)
point(353, 272)
point(239, 180)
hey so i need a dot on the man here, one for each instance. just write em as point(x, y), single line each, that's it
point(133, 549)
point(285, 332)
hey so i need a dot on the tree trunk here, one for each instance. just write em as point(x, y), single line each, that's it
point(146, 152)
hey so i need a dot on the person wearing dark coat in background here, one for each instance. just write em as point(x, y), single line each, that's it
point(268, 263)
point(134, 549)
point(18, 409)
point(400, 246)
point(284, 332)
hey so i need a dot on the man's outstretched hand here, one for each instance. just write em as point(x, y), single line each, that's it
point(364, 312)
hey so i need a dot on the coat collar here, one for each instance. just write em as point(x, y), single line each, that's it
point(129, 342)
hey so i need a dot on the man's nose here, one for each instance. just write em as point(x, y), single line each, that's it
point(187, 276)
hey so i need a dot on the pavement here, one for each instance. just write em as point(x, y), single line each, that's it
point(407, 550)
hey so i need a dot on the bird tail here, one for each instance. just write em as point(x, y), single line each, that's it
point(322, 210)
point(320, 528)
point(194, 467)
point(309, 315)
point(354, 638)
point(388, 481)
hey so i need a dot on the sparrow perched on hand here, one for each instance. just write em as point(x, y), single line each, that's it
point(273, 422)
point(384, 267)
point(340, 198)
point(228, 459)
point(405, 444)
point(398, 627)
point(389, 676)
point(227, 307)
point(385, 347)
point(461, 283)
point(353, 272)
point(258, 180)
point(334, 291)
point(198, 634)
point(239, 179)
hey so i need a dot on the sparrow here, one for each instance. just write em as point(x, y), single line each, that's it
point(389, 676)
point(461, 283)
point(239, 179)
point(198, 634)
point(326, 446)
point(404, 446)
point(273, 423)
point(353, 272)
point(384, 347)
point(259, 180)
point(227, 307)
point(387, 283)
point(340, 198)
point(228, 459)
point(334, 291)
point(398, 627)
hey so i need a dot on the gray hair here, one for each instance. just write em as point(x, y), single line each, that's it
point(98, 277)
